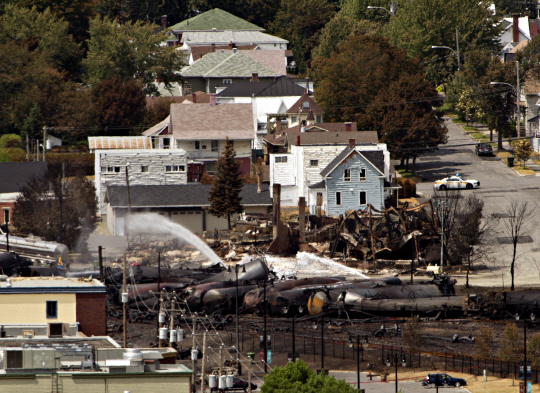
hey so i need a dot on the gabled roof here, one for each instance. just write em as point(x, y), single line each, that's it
point(15, 175)
point(226, 65)
point(214, 19)
point(299, 107)
point(320, 184)
point(281, 87)
point(523, 25)
point(375, 158)
point(206, 122)
point(120, 142)
point(199, 51)
point(224, 37)
point(180, 195)
point(156, 130)
point(332, 138)
point(202, 98)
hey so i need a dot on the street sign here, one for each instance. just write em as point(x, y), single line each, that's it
point(529, 387)
point(521, 388)
point(262, 355)
point(269, 357)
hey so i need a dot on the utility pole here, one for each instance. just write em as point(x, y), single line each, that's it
point(220, 359)
point(161, 323)
point(44, 142)
point(192, 350)
point(395, 363)
point(358, 360)
point(265, 338)
point(203, 359)
point(159, 291)
point(171, 323)
point(100, 258)
point(457, 47)
point(322, 345)
point(126, 224)
point(518, 97)
point(27, 148)
point(124, 301)
point(293, 340)
point(60, 200)
point(249, 375)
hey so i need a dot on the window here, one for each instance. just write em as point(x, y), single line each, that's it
point(166, 143)
point(294, 119)
point(338, 198)
point(281, 159)
point(305, 104)
point(363, 198)
point(215, 145)
point(110, 169)
point(175, 168)
point(211, 168)
point(346, 175)
point(362, 174)
point(52, 309)
point(313, 162)
point(318, 119)
point(227, 81)
point(6, 215)
point(197, 145)
point(144, 168)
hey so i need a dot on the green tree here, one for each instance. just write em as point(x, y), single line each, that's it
point(297, 377)
point(131, 51)
point(358, 9)
point(302, 32)
point(511, 345)
point(510, 7)
point(522, 150)
point(224, 195)
point(533, 349)
point(484, 341)
point(37, 209)
point(119, 105)
point(420, 24)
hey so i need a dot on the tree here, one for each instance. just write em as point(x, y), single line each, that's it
point(302, 32)
point(511, 345)
point(299, 378)
point(522, 150)
point(533, 349)
point(131, 51)
point(119, 105)
point(420, 24)
point(519, 223)
point(358, 10)
point(57, 210)
point(510, 7)
point(484, 341)
point(224, 195)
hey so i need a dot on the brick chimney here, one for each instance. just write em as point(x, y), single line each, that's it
point(297, 140)
point(515, 28)
point(213, 47)
point(352, 143)
point(255, 77)
point(212, 98)
point(348, 127)
point(164, 21)
point(194, 98)
point(179, 39)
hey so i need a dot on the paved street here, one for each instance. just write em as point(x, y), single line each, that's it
point(386, 387)
point(499, 185)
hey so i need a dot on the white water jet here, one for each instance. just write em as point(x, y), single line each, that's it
point(154, 223)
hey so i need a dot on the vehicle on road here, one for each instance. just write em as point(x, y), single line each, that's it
point(455, 182)
point(433, 380)
point(482, 149)
point(240, 384)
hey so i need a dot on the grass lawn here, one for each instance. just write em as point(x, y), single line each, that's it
point(407, 173)
point(478, 135)
point(524, 170)
point(503, 154)
point(458, 121)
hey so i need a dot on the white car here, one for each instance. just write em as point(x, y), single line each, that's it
point(455, 182)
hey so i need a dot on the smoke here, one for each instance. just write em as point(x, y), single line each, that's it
point(151, 223)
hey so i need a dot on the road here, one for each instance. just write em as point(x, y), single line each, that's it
point(376, 386)
point(499, 185)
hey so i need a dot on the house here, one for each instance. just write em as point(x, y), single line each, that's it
point(222, 67)
point(197, 52)
point(144, 166)
point(13, 177)
point(515, 30)
point(183, 204)
point(352, 180)
point(304, 110)
point(53, 141)
point(58, 301)
point(308, 153)
point(270, 100)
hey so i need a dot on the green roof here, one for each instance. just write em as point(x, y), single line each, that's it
point(226, 64)
point(215, 19)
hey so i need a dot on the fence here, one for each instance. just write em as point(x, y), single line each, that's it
point(376, 354)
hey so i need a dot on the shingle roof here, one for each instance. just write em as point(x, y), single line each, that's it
point(199, 51)
point(320, 184)
point(215, 19)
point(205, 122)
point(15, 175)
point(157, 129)
point(226, 64)
point(298, 106)
point(332, 138)
point(376, 158)
point(180, 195)
point(225, 37)
point(122, 142)
point(202, 98)
point(281, 87)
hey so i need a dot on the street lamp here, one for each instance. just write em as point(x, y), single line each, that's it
point(532, 317)
point(358, 346)
point(455, 52)
point(265, 310)
point(237, 332)
point(442, 203)
point(391, 11)
point(517, 95)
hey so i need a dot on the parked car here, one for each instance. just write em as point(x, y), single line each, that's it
point(240, 384)
point(483, 149)
point(445, 380)
point(455, 182)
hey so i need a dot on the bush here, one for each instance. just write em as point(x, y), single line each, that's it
point(9, 141)
point(12, 155)
point(408, 187)
point(206, 179)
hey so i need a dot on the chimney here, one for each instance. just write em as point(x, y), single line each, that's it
point(515, 28)
point(179, 38)
point(307, 86)
point(278, 125)
point(352, 143)
point(212, 98)
point(164, 21)
point(194, 98)
point(255, 77)
point(348, 127)
point(297, 140)
point(213, 47)
point(234, 49)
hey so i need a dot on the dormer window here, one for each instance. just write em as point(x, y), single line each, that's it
point(305, 104)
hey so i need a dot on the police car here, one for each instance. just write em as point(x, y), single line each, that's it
point(455, 182)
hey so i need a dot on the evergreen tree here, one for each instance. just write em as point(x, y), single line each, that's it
point(225, 192)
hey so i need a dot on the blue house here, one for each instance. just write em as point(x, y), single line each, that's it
point(354, 179)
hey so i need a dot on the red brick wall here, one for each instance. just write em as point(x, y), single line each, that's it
point(11, 205)
point(245, 165)
point(91, 313)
